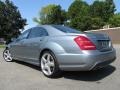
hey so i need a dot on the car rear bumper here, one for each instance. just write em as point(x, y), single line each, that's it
point(85, 62)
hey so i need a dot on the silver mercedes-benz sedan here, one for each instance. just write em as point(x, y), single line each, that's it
point(57, 48)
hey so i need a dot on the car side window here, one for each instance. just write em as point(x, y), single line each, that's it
point(37, 32)
point(23, 35)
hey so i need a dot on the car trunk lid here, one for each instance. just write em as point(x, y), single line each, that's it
point(102, 41)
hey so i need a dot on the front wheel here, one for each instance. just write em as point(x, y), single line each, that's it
point(7, 55)
point(49, 65)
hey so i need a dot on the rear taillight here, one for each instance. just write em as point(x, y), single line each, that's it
point(84, 43)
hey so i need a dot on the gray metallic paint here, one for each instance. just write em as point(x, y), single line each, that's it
point(69, 56)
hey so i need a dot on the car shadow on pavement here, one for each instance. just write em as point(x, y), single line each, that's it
point(80, 75)
point(90, 75)
point(29, 65)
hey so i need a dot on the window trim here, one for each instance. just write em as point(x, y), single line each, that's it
point(29, 33)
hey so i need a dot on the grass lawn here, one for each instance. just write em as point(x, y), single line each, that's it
point(2, 46)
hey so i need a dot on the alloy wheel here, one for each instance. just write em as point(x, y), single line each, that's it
point(7, 55)
point(47, 64)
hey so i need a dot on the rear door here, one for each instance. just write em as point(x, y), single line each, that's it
point(32, 44)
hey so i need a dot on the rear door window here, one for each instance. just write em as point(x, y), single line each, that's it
point(38, 32)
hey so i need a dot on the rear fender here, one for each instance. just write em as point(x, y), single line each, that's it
point(54, 47)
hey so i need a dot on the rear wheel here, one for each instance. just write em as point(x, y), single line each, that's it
point(7, 55)
point(49, 65)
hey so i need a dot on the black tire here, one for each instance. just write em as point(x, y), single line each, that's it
point(56, 72)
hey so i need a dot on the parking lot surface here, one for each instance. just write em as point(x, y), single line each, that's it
point(22, 76)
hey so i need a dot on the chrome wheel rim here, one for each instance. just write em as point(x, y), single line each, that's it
point(7, 55)
point(47, 64)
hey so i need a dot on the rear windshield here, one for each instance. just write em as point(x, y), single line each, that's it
point(66, 29)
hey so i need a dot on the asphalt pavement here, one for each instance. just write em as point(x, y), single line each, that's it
point(22, 76)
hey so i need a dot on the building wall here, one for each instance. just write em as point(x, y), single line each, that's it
point(114, 33)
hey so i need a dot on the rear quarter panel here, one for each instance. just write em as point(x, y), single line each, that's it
point(64, 44)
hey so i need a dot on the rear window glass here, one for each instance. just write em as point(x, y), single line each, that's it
point(66, 29)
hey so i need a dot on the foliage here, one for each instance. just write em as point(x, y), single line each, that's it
point(81, 15)
point(96, 23)
point(78, 8)
point(81, 23)
point(10, 20)
point(102, 9)
point(84, 17)
point(115, 20)
point(51, 14)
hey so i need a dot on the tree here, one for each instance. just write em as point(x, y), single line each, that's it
point(115, 20)
point(78, 8)
point(51, 14)
point(102, 9)
point(96, 23)
point(10, 20)
point(82, 23)
point(79, 17)
point(83, 16)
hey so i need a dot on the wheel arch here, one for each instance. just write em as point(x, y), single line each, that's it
point(42, 51)
point(54, 47)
